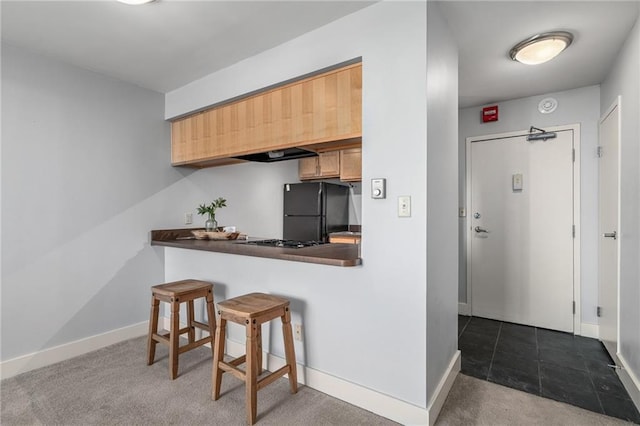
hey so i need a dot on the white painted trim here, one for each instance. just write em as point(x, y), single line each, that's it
point(577, 282)
point(590, 330)
point(436, 403)
point(617, 103)
point(629, 380)
point(360, 396)
point(577, 240)
point(49, 356)
point(464, 309)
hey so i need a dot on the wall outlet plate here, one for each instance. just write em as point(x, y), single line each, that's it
point(297, 332)
point(404, 206)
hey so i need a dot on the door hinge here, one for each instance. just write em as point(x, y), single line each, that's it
point(574, 307)
point(573, 231)
point(599, 151)
point(573, 155)
point(599, 311)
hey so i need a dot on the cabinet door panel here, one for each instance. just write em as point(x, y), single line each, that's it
point(297, 113)
point(330, 105)
point(351, 164)
point(318, 129)
point(308, 168)
point(329, 164)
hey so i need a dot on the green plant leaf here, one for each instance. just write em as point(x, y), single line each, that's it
point(211, 208)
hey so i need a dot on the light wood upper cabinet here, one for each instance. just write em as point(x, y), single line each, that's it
point(345, 164)
point(325, 165)
point(351, 165)
point(312, 112)
point(308, 168)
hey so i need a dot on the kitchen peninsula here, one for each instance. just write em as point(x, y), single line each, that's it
point(326, 254)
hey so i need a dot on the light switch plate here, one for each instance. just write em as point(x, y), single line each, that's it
point(516, 182)
point(404, 206)
point(379, 188)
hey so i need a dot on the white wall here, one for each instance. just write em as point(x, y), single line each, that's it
point(442, 200)
point(574, 106)
point(383, 316)
point(624, 80)
point(254, 194)
point(85, 176)
point(85, 159)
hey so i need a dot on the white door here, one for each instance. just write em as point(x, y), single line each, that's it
point(608, 229)
point(521, 230)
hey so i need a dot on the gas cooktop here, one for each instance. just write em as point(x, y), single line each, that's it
point(285, 243)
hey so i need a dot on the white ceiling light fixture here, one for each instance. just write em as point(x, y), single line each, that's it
point(541, 47)
point(135, 2)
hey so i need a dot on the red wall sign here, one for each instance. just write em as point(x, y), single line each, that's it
point(490, 113)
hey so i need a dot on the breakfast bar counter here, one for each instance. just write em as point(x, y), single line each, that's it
point(325, 254)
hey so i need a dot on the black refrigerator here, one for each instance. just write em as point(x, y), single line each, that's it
point(312, 210)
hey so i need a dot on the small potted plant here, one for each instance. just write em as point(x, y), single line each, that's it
point(211, 224)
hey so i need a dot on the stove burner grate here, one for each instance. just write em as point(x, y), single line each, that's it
point(285, 243)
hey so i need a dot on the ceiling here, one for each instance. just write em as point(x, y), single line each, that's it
point(169, 43)
point(486, 31)
point(165, 44)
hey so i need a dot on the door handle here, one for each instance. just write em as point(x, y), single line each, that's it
point(610, 235)
point(478, 229)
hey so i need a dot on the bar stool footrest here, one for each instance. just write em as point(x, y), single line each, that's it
point(227, 368)
point(238, 361)
point(200, 325)
point(195, 344)
point(267, 380)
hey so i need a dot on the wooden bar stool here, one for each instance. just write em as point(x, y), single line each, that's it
point(175, 293)
point(252, 310)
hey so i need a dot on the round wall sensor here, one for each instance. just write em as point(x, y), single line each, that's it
point(547, 105)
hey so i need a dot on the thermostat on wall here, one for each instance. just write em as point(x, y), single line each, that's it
point(378, 188)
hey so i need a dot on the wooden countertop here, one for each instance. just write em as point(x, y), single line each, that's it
point(326, 254)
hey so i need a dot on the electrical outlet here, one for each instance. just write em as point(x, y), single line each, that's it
point(188, 218)
point(404, 206)
point(297, 332)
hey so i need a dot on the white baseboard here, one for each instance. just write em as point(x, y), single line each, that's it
point(440, 395)
point(24, 363)
point(629, 380)
point(370, 400)
point(590, 330)
point(464, 309)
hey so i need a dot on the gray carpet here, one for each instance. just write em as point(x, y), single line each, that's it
point(114, 386)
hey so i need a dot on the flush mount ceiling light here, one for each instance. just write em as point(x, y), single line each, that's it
point(541, 47)
point(135, 2)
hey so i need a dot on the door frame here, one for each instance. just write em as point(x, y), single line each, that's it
point(617, 103)
point(577, 283)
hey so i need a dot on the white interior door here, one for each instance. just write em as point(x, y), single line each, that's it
point(521, 230)
point(608, 229)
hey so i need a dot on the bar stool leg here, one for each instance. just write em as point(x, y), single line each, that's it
point(174, 336)
point(211, 316)
point(191, 334)
point(218, 355)
point(251, 386)
point(153, 329)
point(289, 351)
point(259, 349)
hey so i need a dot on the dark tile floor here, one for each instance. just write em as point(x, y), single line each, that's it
point(552, 364)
